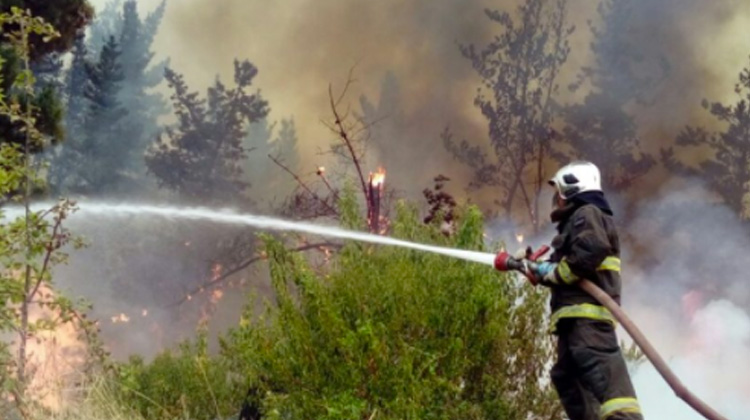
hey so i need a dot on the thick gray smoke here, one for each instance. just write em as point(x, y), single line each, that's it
point(686, 287)
point(410, 70)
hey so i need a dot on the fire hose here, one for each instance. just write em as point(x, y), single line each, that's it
point(505, 262)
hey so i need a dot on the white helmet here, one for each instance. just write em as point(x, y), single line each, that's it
point(575, 178)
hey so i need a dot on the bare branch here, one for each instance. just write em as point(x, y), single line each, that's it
point(224, 276)
point(303, 185)
point(343, 134)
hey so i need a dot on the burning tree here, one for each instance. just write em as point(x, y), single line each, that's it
point(519, 69)
point(320, 197)
point(350, 147)
point(728, 171)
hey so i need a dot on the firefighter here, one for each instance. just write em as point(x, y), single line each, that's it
point(590, 374)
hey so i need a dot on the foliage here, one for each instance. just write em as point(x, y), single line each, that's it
point(68, 17)
point(45, 103)
point(599, 129)
point(518, 69)
point(106, 144)
point(728, 170)
point(99, 155)
point(381, 333)
point(140, 75)
point(277, 140)
point(186, 384)
point(31, 242)
point(201, 158)
point(108, 22)
point(442, 204)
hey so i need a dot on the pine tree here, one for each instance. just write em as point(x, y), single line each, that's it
point(108, 22)
point(144, 107)
point(201, 158)
point(48, 71)
point(77, 79)
point(95, 161)
point(286, 144)
point(66, 156)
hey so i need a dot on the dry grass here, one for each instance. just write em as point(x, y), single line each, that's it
point(97, 402)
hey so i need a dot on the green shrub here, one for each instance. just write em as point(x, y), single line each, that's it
point(382, 333)
point(186, 384)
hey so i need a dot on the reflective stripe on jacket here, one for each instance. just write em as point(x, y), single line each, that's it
point(585, 310)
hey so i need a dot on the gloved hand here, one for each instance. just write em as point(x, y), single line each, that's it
point(542, 272)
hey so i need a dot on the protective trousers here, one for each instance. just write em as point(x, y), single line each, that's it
point(590, 375)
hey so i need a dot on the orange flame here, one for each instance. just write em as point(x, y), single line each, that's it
point(122, 318)
point(216, 271)
point(378, 178)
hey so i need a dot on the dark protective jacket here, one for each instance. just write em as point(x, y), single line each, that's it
point(587, 247)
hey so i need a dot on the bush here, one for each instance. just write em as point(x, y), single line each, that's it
point(187, 384)
point(384, 333)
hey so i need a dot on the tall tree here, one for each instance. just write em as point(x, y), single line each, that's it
point(69, 17)
point(65, 157)
point(201, 158)
point(727, 171)
point(286, 143)
point(144, 106)
point(108, 22)
point(76, 82)
point(278, 141)
point(519, 69)
point(97, 160)
point(31, 242)
point(599, 129)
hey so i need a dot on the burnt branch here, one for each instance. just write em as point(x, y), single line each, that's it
point(304, 186)
point(342, 131)
point(217, 281)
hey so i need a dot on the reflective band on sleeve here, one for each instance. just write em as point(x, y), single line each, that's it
point(583, 310)
point(609, 264)
point(619, 405)
point(565, 273)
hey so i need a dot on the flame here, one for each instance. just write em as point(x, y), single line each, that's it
point(122, 318)
point(519, 238)
point(321, 170)
point(216, 296)
point(216, 271)
point(378, 178)
point(54, 358)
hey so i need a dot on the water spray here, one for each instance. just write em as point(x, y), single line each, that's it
point(260, 222)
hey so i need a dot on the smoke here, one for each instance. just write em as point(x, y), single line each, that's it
point(708, 353)
point(686, 287)
point(408, 68)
